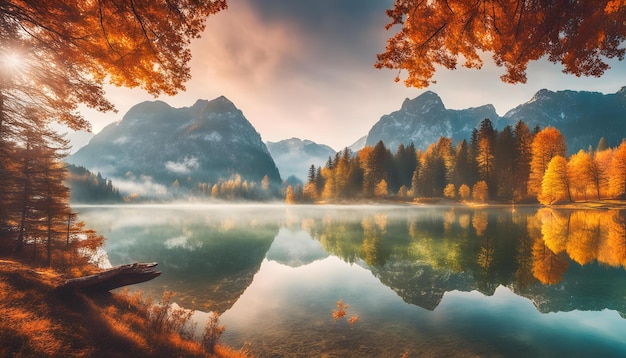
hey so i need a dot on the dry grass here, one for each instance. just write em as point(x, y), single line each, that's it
point(38, 321)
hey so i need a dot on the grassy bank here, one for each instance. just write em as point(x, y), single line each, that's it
point(38, 321)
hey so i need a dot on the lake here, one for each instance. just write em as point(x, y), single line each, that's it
point(383, 281)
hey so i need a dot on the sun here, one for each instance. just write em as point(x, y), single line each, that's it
point(12, 61)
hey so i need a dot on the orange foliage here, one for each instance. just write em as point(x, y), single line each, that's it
point(554, 229)
point(479, 222)
point(480, 191)
point(617, 171)
point(600, 171)
point(582, 243)
point(547, 144)
point(555, 184)
point(548, 267)
point(39, 322)
point(340, 312)
point(580, 169)
point(580, 35)
point(69, 49)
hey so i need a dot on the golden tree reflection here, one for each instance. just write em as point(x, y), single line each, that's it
point(554, 228)
point(586, 236)
point(582, 243)
point(479, 222)
point(548, 267)
point(464, 221)
point(449, 217)
point(373, 229)
point(612, 249)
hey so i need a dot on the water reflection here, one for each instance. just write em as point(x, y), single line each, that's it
point(208, 257)
point(422, 256)
point(475, 281)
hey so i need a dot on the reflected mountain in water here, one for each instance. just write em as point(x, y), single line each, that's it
point(208, 258)
point(419, 283)
point(295, 248)
point(560, 260)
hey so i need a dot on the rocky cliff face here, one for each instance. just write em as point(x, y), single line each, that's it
point(582, 117)
point(208, 141)
point(424, 119)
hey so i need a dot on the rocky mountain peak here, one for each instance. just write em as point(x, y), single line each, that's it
point(220, 104)
point(542, 95)
point(425, 102)
point(209, 141)
point(147, 109)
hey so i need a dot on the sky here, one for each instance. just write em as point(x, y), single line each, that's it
point(305, 69)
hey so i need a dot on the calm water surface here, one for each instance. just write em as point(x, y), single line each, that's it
point(427, 281)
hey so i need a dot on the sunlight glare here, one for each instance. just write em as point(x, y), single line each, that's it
point(12, 61)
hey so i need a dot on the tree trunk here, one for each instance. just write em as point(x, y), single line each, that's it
point(115, 277)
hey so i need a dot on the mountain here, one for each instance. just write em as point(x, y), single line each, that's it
point(294, 156)
point(155, 145)
point(358, 145)
point(424, 119)
point(582, 117)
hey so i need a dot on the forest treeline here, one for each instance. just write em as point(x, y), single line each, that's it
point(36, 221)
point(87, 187)
point(515, 164)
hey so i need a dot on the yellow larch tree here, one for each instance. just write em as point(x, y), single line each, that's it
point(548, 143)
point(580, 170)
point(555, 183)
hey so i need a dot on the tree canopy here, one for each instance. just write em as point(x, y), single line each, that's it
point(579, 34)
point(58, 54)
point(54, 56)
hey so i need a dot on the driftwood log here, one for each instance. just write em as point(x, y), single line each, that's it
point(115, 277)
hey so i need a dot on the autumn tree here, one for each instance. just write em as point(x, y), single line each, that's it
point(57, 55)
point(547, 144)
point(600, 171)
point(581, 35)
point(580, 173)
point(449, 191)
point(617, 172)
point(67, 52)
point(290, 196)
point(555, 183)
point(480, 191)
point(485, 154)
point(464, 192)
point(381, 190)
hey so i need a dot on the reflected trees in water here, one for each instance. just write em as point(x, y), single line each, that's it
point(521, 247)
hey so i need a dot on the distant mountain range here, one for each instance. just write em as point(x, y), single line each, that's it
point(155, 146)
point(294, 156)
point(582, 117)
point(212, 140)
